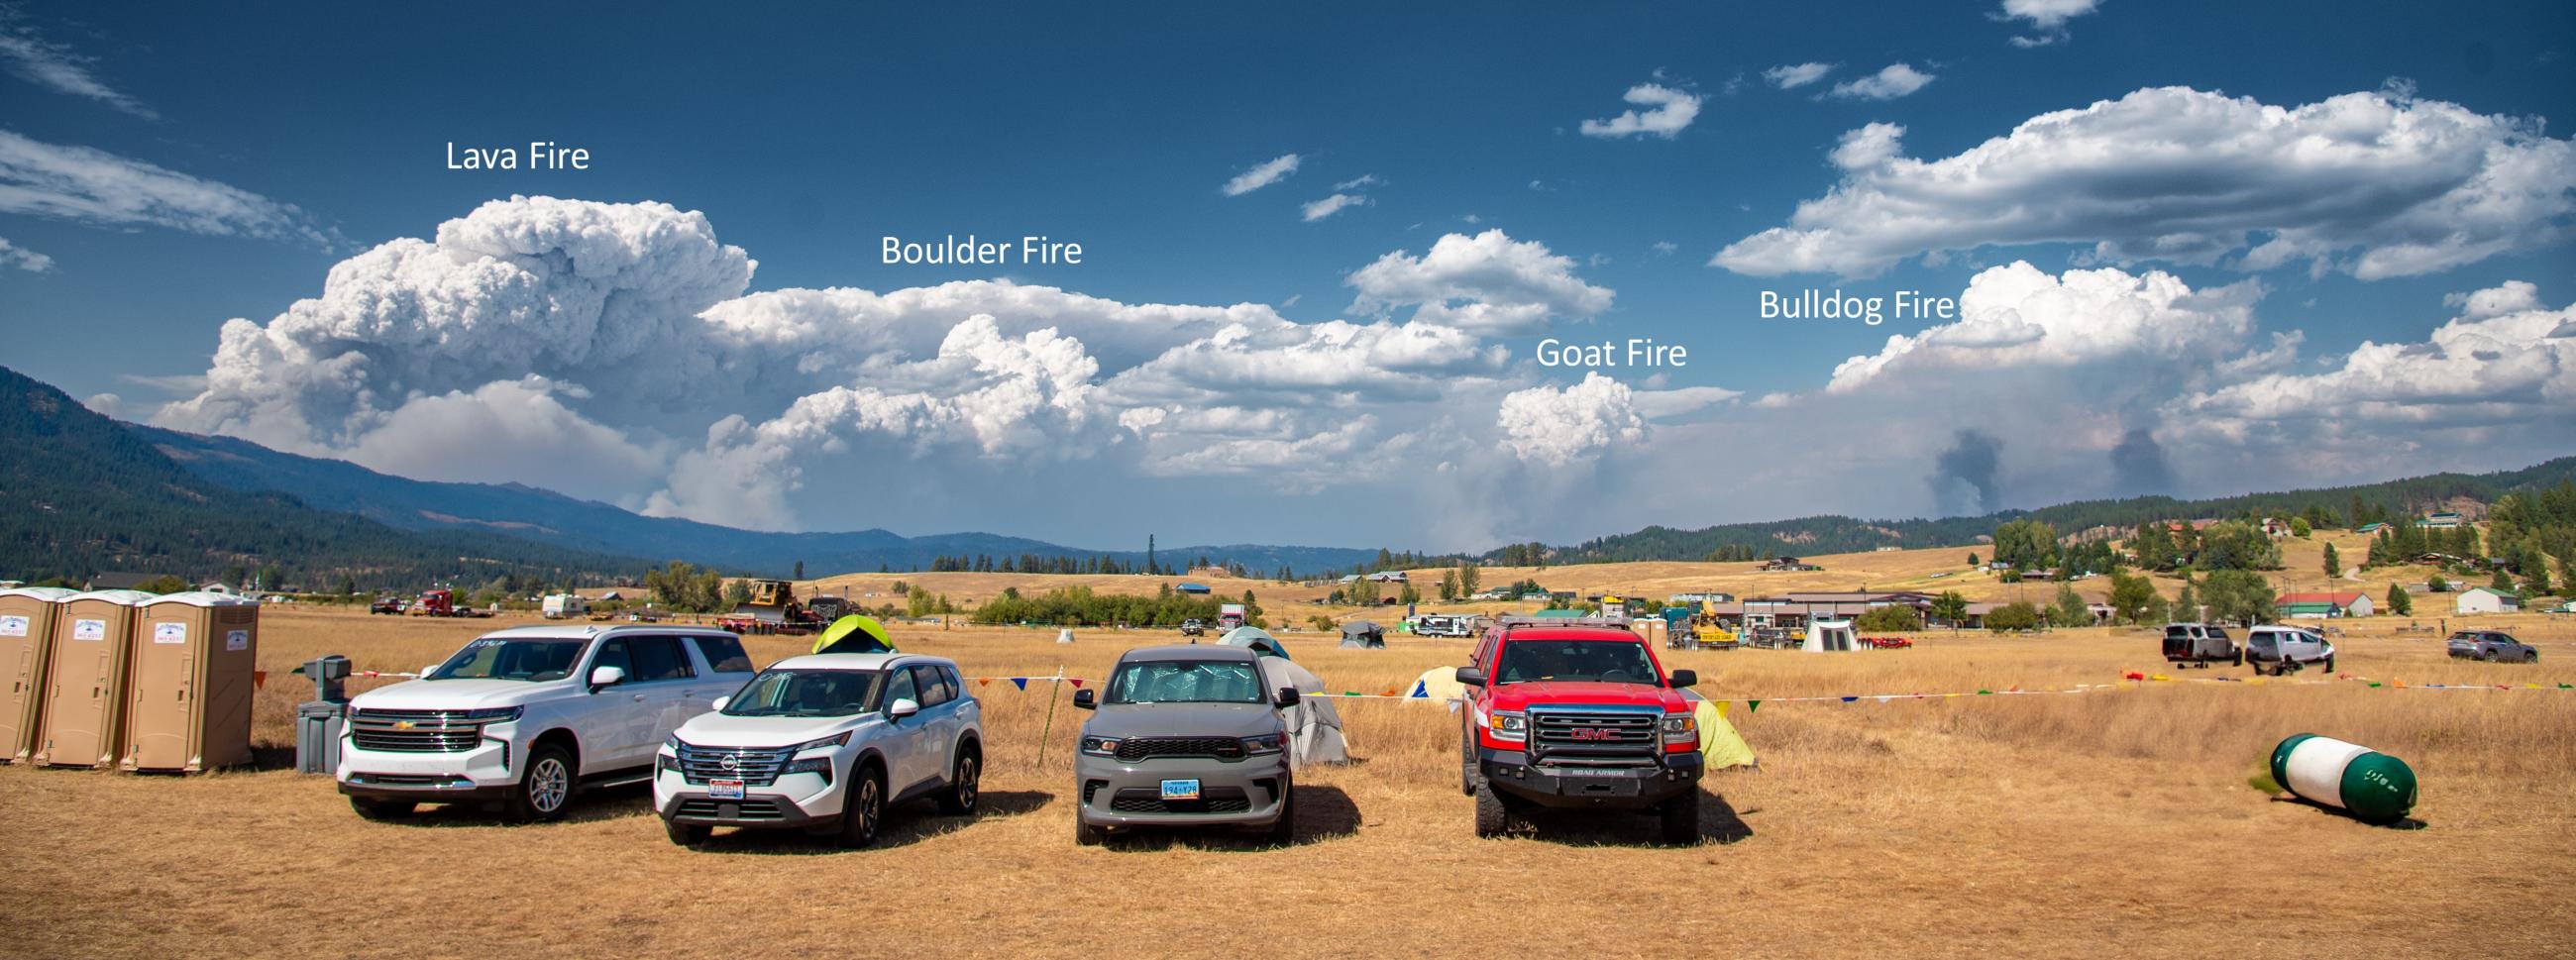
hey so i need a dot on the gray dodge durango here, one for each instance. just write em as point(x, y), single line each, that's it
point(1184, 736)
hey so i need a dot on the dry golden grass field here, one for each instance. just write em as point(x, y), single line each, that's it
point(2116, 823)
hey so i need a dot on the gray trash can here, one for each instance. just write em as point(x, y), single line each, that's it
point(318, 721)
point(317, 736)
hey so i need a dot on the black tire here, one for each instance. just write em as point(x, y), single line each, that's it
point(1493, 817)
point(1679, 818)
point(1086, 835)
point(965, 783)
point(686, 834)
point(863, 809)
point(1283, 831)
point(2330, 665)
point(545, 786)
point(1466, 758)
point(2532, 657)
point(381, 809)
point(2490, 656)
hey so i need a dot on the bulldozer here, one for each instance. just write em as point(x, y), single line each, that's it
point(771, 609)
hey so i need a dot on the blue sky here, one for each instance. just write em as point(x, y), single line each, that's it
point(803, 137)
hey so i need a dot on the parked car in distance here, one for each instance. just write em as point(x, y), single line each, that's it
point(2492, 646)
point(386, 604)
point(1193, 627)
point(1187, 735)
point(1577, 717)
point(825, 743)
point(2201, 644)
point(2279, 650)
point(528, 717)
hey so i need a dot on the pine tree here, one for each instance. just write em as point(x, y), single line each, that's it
point(2334, 564)
point(2399, 603)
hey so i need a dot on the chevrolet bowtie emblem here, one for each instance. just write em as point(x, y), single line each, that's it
point(402, 724)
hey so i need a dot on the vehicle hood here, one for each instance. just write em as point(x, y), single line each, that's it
point(455, 694)
point(1571, 693)
point(1184, 720)
point(718, 730)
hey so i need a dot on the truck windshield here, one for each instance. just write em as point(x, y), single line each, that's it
point(806, 693)
point(534, 659)
point(1530, 660)
point(1186, 681)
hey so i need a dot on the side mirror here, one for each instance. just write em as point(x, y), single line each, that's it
point(606, 677)
point(903, 707)
point(1684, 678)
point(1287, 697)
point(1086, 700)
point(1471, 676)
point(720, 703)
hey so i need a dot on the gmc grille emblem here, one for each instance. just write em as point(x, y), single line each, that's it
point(1595, 733)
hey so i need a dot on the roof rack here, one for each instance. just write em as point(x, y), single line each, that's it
point(1509, 623)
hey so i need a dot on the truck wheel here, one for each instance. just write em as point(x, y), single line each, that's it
point(1680, 816)
point(964, 784)
point(864, 809)
point(1283, 831)
point(1086, 835)
point(2330, 665)
point(1492, 817)
point(1466, 761)
point(2532, 657)
point(2490, 656)
point(381, 809)
point(545, 789)
point(686, 834)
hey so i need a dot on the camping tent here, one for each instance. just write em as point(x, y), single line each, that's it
point(854, 634)
point(1440, 683)
point(1315, 723)
point(1363, 634)
point(1720, 746)
point(1828, 636)
point(1258, 639)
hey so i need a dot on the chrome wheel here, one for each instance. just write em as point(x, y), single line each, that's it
point(966, 784)
point(548, 784)
point(866, 804)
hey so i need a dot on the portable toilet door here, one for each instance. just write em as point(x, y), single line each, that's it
point(85, 685)
point(26, 645)
point(188, 699)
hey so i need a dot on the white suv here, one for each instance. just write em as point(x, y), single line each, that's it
point(825, 743)
point(526, 717)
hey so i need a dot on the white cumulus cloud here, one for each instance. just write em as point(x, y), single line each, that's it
point(20, 258)
point(1558, 426)
point(2374, 184)
point(2016, 317)
point(1261, 175)
point(1667, 111)
point(1791, 76)
point(1488, 283)
point(1896, 80)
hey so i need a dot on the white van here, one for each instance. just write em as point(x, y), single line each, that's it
point(2277, 650)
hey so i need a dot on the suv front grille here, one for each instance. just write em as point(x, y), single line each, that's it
point(1594, 736)
point(414, 731)
point(1214, 800)
point(754, 766)
point(741, 810)
point(1133, 749)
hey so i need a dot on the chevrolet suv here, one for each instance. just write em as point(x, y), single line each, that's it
point(825, 743)
point(1577, 717)
point(527, 717)
point(1186, 735)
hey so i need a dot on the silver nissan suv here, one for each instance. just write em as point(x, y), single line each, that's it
point(1184, 735)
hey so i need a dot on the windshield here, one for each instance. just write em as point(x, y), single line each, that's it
point(1608, 662)
point(805, 693)
point(532, 659)
point(1186, 681)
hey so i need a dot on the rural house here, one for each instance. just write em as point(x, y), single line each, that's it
point(2489, 600)
point(2319, 606)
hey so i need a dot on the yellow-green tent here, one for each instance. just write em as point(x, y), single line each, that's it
point(1719, 745)
point(855, 633)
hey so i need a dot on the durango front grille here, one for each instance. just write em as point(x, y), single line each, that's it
point(414, 731)
point(754, 766)
point(1133, 749)
point(1578, 736)
point(1215, 800)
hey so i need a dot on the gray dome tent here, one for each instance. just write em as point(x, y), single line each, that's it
point(1363, 634)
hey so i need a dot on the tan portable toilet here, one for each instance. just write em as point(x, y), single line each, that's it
point(85, 683)
point(189, 683)
point(26, 645)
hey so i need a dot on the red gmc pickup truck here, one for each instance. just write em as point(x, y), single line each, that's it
point(1577, 716)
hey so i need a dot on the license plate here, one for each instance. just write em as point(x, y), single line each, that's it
point(724, 789)
point(1180, 789)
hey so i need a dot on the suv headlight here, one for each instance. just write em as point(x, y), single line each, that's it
point(1681, 728)
point(1507, 725)
point(672, 743)
point(494, 714)
point(1100, 746)
point(1266, 743)
point(841, 739)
